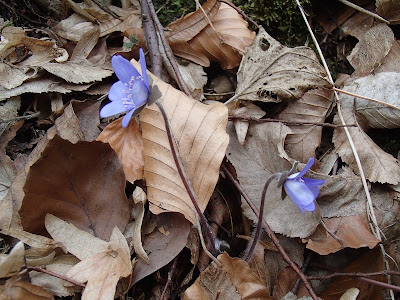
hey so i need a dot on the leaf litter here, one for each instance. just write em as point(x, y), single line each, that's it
point(75, 183)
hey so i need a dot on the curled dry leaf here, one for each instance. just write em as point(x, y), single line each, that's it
point(82, 183)
point(223, 42)
point(312, 107)
point(234, 277)
point(128, 144)
point(16, 289)
point(372, 48)
point(352, 231)
point(199, 131)
point(389, 9)
point(10, 264)
point(271, 72)
point(261, 155)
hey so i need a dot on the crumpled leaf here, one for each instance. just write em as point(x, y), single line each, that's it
point(388, 9)
point(271, 72)
point(373, 46)
point(234, 277)
point(353, 232)
point(261, 155)
point(82, 183)
point(191, 24)
point(223, 42)
point(10, 264)
point(312, 107)
point(199, 130)
point(128, 144)
point(103, 263)
point(16, 289)
point(378, 165)
point(7, 174)
point(13, 76)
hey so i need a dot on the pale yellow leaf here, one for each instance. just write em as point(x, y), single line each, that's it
point(10, 264)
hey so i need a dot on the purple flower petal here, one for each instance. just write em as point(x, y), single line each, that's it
point(112, 108)
point(140, 93)
point(312, 182)
point(299, 193)
point(123, 68)
point(127, 118)
point(305, 169)
point(116, 92)
point(144, 68)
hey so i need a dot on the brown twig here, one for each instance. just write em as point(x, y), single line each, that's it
point(106, 9)
point(26, 117)
point(240, 12)
point(291, 123)
point(170, 273)
point(270, 233)
point(338, 274)
point(181, 83)
point(40, 269)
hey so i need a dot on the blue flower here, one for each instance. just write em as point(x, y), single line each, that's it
point(130, 92)
point(303, 191)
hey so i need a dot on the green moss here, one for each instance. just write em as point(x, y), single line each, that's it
point(281, 19)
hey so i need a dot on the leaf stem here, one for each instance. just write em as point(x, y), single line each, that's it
point(250, 252)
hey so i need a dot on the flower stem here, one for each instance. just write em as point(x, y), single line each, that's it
point(250, 252)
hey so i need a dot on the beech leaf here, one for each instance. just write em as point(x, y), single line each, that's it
point(128, 144)
point(82, 183)
point(389, 9)
point(199, 131)
point(10, 264)
point(271, 72)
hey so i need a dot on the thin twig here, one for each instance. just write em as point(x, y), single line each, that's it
point(168, 51)
point(363, 10)
point(370, 209)
point(48, 272)
point(366, 98)
point(270, 233)
point(170, 273)
point(106, 9)
point(241, 13)
point(338, 274)
point(291, 123)
point(26, 117)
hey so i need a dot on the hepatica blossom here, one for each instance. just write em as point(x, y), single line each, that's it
point(303, 191)
point(130, 92)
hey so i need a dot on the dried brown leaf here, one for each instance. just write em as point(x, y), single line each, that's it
point(86, 44)
point(312, 107)
point(21, 290)
point(245, 109)
point(234, 277)
point(199, 131)
point(10, 264)
point(389, 9)
point(261, 155)
point(378, 165)
point(82, 183)
point(7, 174)
point(352, 231)
point(128, 144)
point(191, 24)
point(371, 49)
point(223, 42)
point(271, 72)
point(12, 76)
point(162, 248)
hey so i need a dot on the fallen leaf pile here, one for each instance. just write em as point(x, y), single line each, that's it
point(91, 209)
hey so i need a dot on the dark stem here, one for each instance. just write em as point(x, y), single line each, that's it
point(250, 252)
point(181, 83)
point(271, 234)
point(170, 273)
point(189, 189)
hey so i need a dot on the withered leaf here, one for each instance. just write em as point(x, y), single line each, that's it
point(389, 9)
point(312, 107)
point(261, 155)
point(82, 183)
point(271, 72)
point(128, 144)
point(234, 277)
point(16, 289)
point(191, 24)
point(10, 264)
point(199, 131)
